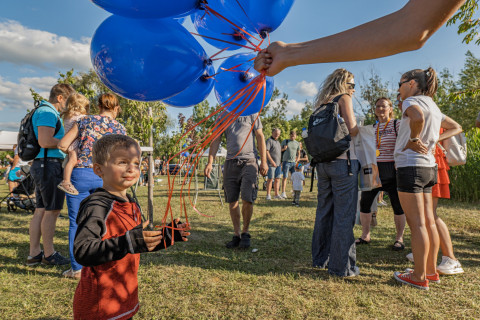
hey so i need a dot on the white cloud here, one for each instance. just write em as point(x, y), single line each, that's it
point(9, 126)
point(23, 46)
point(293, 107)
point(305, 88)
point(16, 97)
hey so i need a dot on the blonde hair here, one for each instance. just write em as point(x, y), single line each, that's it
point(390, 104)
point(335, 84)
point(109, 143)
point(76, 104)
point(426, 80)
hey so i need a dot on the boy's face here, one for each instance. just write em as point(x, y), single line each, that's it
point(121, 171)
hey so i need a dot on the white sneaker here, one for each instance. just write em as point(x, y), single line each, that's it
point(283, 195)
point(449, 266)
point(382, 203)
point(269, 197)
point(277, 198)
point(410, 256)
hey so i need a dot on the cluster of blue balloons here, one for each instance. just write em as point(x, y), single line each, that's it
point(142, 52)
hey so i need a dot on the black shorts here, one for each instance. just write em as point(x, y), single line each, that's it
point(388, 177)
point(416, 179)
point(47, 194)
point(240, 176)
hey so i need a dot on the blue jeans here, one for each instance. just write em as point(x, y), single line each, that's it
point(85, 181)
point(287, 167)
point(333, 243)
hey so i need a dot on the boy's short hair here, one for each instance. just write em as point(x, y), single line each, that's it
point(107, 144)
point(60, 89)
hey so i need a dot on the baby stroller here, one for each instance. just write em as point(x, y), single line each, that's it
point(22, 196)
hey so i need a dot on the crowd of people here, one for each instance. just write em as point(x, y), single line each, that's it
point(106, 233)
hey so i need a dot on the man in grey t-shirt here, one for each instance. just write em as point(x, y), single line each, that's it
point(240, 171)
point(274, 154)
point(291, 154)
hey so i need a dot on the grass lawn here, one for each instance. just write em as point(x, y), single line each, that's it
point(202, 279)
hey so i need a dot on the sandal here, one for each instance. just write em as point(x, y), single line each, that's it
point(361, 241)
point(68, 188)
point(398, 248)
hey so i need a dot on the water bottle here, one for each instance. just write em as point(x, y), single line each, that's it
point(340, 119)
point(304, 133)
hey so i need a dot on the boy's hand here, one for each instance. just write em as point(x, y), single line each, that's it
point(152, 238)
point(184, 229)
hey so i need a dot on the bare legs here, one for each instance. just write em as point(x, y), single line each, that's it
point(247, 211)
point(418, 209)
point(42, 226)
point(366, 219)
point(444, 235)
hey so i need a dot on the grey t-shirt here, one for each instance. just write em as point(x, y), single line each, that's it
point(236, 134)
point(275, 150)
point(290, 155)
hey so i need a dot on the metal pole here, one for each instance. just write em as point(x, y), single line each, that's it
point(151, 165)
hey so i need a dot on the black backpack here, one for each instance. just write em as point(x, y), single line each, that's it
point(27, 143)
point(328, 135)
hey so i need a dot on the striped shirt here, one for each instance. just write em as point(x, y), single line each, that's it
point(388, 137)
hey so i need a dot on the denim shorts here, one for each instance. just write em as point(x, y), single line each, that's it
point(274, 172)
point(287, 167)
point(416, 179)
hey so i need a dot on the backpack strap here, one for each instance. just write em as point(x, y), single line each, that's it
point(313, 164)
point(338, 97)
point(395, 127)
point(58, 125)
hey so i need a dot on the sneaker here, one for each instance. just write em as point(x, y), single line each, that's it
point(294, 203)
point(277, 198)
point(430, 277)
point(56, 259)
point(297, 205)
point(382, 203)
point(245, 241)
point(283, 195)
point(410, 256)
point(406, 278)
point(269, 197)
point(234, 243)
point(449, 266)
point(74, 274)
point(32, 261)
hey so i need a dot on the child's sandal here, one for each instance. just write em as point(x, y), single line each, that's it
point(68, 188)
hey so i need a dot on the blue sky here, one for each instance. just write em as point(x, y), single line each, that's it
point(39, 38)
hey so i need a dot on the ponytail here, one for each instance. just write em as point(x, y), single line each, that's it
point(427, 80)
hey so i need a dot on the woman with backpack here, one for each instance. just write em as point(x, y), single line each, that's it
point(333, 243)
point(386, 130)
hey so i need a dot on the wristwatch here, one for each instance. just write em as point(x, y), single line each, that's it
point(414, 139)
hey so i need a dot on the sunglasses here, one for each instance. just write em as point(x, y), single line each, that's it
point(352, 85)
point(400, 83)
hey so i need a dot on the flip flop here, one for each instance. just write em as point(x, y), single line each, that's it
point(396, 248)
point(361, 241)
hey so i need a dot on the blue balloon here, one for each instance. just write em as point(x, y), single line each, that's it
point(196, 92)
point(229, 83)
point(149, 9)
point(146, 60)
point(259, 16)
point(211, 26)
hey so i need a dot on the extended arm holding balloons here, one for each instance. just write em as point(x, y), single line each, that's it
point(404, 30)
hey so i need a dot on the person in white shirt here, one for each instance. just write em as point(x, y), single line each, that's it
point(297, 183)
point(417, 172)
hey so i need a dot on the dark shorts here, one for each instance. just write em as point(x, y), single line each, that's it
point(240, 176)
point(47, 194)
point(416, 179)
point(388, 177)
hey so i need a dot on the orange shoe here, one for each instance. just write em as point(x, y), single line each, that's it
point(435, 278)
point(406, 278)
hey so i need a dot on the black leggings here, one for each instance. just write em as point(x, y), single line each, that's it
point(388, 177)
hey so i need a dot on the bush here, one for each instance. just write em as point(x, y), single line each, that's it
point(465, 180)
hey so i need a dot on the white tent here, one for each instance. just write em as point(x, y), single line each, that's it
point(221, 153)
point(7, 139)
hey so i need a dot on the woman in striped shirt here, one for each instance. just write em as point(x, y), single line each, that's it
point(386, 130)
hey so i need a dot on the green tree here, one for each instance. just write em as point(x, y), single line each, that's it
point(372, 89)
point(468, 21)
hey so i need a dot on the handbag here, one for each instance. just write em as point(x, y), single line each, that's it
point(456, 150)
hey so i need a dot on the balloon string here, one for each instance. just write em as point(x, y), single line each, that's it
point(232, 43)
point(251, 22)
point(218, 15)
